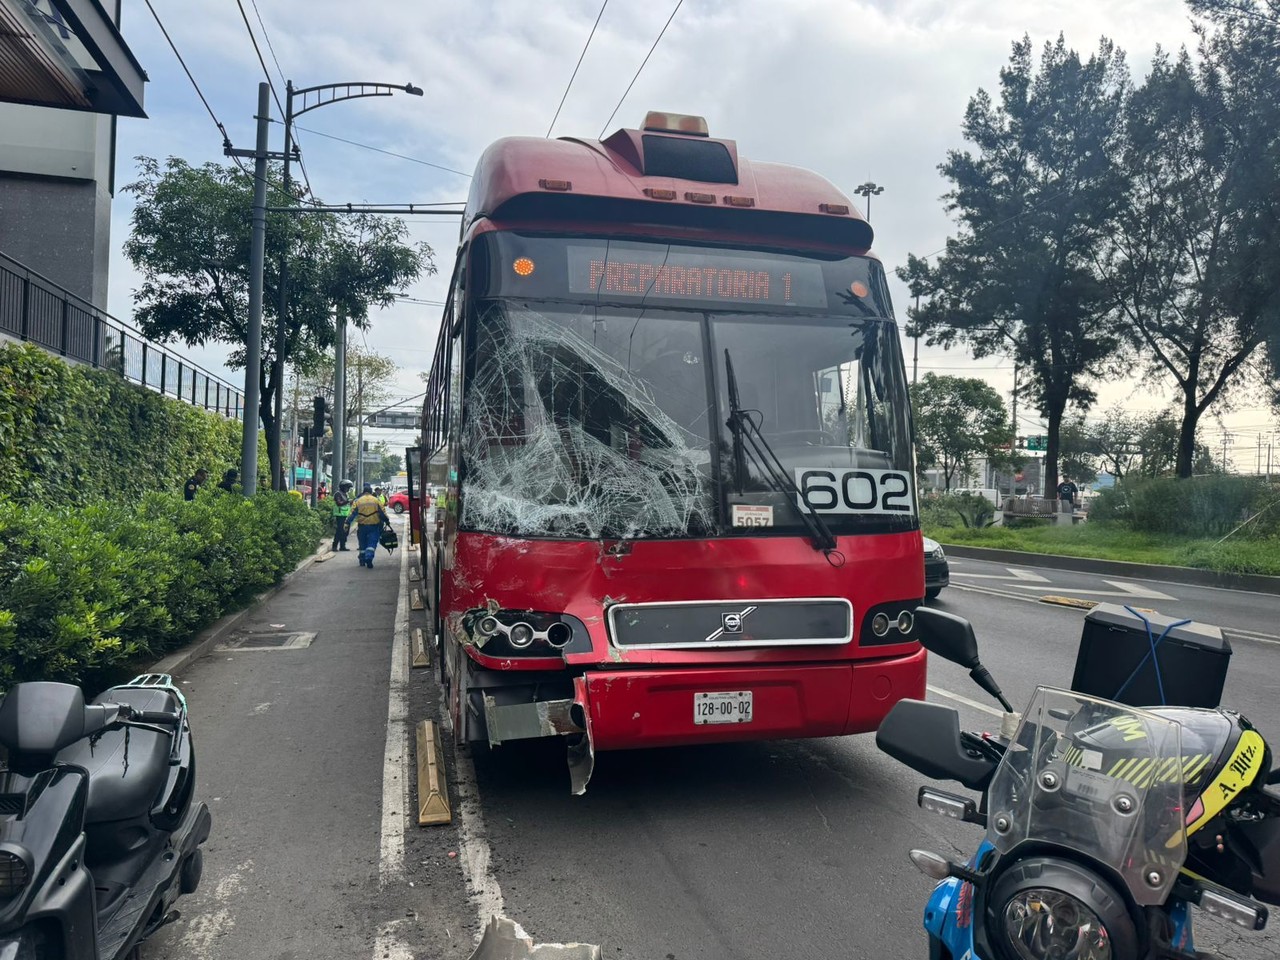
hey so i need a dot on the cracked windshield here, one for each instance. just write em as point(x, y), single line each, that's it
point(639, 480)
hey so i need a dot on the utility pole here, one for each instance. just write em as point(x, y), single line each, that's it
point(257, 252)
point(293, 437)
point(915, 350)
point(359, 426)
point(1012, 484)
point(1226, 442)
point(340, 400)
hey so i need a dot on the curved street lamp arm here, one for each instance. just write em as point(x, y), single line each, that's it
point(344, 91)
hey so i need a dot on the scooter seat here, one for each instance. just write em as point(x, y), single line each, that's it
point(127, 768)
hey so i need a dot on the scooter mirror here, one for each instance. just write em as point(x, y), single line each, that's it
point(947, 635)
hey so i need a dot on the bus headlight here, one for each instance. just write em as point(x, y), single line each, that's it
point(521, 635)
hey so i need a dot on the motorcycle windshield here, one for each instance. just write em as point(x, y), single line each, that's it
point(1101, 779)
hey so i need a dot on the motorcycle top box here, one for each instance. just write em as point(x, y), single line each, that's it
point(99, 829)
point(1145, 659)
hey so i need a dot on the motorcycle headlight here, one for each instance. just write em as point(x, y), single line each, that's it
point(1044, 908)
point(1046, 924)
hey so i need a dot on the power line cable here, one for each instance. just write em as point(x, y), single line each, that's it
point(389, 153)
point(280, 70)
point(187, 70)
point(642, 63)
point(574, 75)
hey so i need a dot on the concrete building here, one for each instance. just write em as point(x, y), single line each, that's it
point(65, 76)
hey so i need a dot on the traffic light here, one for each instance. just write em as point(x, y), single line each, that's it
point(318, 414)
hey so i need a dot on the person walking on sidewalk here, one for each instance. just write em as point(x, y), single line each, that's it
point(370, 518)
point(341, 510)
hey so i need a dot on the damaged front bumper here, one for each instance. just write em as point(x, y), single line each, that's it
point(548, 718)
point(628, 709)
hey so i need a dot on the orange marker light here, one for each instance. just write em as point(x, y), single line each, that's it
point(857, 288)
point(524, 266)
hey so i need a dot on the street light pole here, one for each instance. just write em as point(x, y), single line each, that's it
point(868, 190)
point(915, 350)
point(311, 98)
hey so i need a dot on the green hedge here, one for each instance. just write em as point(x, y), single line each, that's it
point(90, 590)
point(1209, 506)
point(74, 435)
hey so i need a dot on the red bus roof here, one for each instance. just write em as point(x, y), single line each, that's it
point(665, 178)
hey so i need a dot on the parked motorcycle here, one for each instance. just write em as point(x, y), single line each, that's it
point(99, 831)
point(1104, 822)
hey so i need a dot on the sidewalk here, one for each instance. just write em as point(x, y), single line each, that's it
point(289, 714)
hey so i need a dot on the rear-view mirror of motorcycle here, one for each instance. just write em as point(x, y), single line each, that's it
point(952, 638)
point(926, 737)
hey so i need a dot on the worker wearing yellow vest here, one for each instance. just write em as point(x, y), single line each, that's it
point(341, 510)
point(369, 517)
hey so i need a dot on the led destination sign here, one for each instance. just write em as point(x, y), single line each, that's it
point(690, 275)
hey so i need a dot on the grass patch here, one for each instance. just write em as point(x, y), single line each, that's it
point(1105, 541)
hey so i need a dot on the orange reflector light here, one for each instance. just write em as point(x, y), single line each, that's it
point(858, 288)
point(700, 197)
point(675, 123)
point(740, 201)
point(523, 266)
point(555, 184)
point(838, 208)
point(657, 193)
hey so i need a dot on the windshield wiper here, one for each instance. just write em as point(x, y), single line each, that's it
point(747, 433)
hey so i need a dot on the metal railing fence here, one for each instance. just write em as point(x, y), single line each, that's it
point(35, 309)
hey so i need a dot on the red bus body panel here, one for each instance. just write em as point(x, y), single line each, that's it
point(628, 696)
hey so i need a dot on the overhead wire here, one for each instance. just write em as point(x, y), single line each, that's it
point(226, 139)
point(574, 75)
point(267, 73)
point(661, 32)
point(389, 153)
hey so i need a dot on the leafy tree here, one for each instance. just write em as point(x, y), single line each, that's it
point(956, 419)
point(1078, 452)
point(1184, 266)
point(1039, 192)
point(190, 240)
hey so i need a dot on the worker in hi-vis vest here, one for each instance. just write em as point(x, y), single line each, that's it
point(369, 517)
point(341, 510)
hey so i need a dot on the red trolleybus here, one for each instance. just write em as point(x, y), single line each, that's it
point(669, 410)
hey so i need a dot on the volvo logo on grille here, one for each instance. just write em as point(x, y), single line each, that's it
point(731, 623)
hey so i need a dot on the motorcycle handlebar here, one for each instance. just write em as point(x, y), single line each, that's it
point(151, 716)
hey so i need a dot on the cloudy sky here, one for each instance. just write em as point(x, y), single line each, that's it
point(854, 89)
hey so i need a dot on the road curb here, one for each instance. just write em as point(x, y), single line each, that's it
point(208, 638)
point(1117, 568)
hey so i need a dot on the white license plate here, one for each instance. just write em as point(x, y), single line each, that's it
point(734, 707)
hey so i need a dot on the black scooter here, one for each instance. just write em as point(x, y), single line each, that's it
point(99, 834)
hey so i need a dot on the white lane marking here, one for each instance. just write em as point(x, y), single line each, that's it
point(387, 945)
point(1123, 589)
point(965, 700)
point(1017, 574)
point(209, 925)
point(968, 588)
point(395, 757)
point(1250, 635)
point(473, 841)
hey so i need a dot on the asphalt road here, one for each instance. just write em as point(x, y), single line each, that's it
point(791, 849)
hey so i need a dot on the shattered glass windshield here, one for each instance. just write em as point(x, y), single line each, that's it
point(595, 394)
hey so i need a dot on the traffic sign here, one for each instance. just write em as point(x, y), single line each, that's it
point(1040, 442)
point(395, 419)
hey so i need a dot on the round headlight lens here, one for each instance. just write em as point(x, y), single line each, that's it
point(1046, 924)
point(906, 621)
point(14, 874)
point(521, 635)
